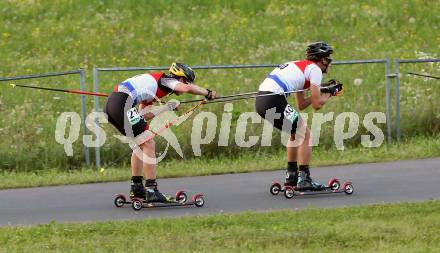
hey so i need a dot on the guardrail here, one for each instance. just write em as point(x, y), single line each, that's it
point(96, 73)
point(396, 75)
point(82, 81)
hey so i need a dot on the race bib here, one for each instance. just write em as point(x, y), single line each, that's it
point(290, 114)
point(133, 116)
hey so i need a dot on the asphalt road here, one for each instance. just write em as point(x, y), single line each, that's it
point(416, 180)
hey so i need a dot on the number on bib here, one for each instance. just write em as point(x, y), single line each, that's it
point(133, 116)
point(290, 114)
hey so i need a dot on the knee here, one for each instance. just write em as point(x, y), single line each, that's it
point(308, 134)
point(302, 133)
point(305, 136)
point(148, 145)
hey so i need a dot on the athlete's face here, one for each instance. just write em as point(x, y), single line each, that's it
point(325, 64)
point(183, 80)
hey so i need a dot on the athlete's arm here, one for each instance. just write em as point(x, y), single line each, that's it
point(192, 89)
point(318, 99)
point(301, 101)
point(149, 111)
point(145, 111)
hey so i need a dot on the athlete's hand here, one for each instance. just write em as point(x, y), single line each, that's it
point(211, 95)
point(333, 87)
point(173, 105)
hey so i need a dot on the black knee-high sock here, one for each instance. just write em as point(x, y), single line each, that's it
point(292, 168)
point(137, 179)
point(151, 183)
point(306, 169)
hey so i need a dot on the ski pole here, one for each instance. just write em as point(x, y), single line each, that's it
point(240, 96)
point(428, 76)
point(171, 123)
point(253, 94)
point(221, 97)
point(61, 90)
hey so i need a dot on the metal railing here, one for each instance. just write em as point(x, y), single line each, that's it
point(96, 71)
point(396, 75)
point(81, 73)
point(388, 75)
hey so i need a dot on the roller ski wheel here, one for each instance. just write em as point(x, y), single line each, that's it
point(198, 200)
point(120, 200)
point(181, 197)
point(348, 188)
point(289, 192)
point(334, 184)
point(137, 204)
point(275, 188)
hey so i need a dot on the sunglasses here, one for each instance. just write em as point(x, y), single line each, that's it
point(329, 60)
point(184, 80)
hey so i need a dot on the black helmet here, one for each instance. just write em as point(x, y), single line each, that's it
point(181, 70)
point(318, 50)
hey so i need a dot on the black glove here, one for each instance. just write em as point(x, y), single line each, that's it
point(211, 95)
point(333, 87)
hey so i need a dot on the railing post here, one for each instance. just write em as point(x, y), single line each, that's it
point(82, 81)
point(96, 109)
point(388, 99)
point(397, 74)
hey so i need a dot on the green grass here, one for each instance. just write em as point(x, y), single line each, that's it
point(38, 36)
point(405, 227)
point(414, 148)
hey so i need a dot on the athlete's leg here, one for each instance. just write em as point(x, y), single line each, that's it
point(136, 163)
point(304, 154)
point(292, 152)
point(275, 108)
point(304, 158)
point(149, 159)
point(305, 150)
point(114, 108)
point(137, 184)
point(298, 155)
point(148, 165)
point(292, 163)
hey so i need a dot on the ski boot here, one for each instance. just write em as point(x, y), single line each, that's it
point(290, 182)
point(306, 183)
point(137, 190)
point(291, 179)
point(154, 195)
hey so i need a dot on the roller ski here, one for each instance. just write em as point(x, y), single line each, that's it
point(140, 198)
point(306, 186)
